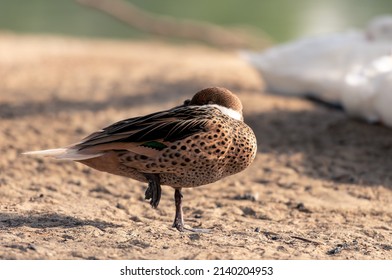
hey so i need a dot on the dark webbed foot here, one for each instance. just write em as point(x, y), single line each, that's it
point(179, 220)
point(153, 191)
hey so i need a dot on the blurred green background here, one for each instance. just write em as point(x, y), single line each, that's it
point(282, 20)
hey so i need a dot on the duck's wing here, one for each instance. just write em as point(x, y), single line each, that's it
point(154, 131)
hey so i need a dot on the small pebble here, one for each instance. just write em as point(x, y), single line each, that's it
point(247, 211)
point(194, 236)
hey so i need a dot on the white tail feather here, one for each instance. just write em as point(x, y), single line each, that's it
point(63, 153)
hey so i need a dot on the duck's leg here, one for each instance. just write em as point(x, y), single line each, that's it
point(179, 219)
point(153, 191)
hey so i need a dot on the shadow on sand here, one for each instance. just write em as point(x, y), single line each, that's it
point(50, 220)
point(332, 146)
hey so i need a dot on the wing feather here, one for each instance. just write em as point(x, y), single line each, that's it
point(166, 126)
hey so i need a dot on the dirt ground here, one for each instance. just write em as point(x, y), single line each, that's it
point(320, 186)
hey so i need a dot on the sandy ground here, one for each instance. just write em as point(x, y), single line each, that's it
point(320, 187)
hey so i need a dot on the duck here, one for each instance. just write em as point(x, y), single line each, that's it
point(348, 70)
point(367, 91)
point(196, 143)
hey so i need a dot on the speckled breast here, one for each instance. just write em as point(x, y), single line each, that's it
point(207, 157)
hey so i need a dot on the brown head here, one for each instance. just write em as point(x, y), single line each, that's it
point(219, 97)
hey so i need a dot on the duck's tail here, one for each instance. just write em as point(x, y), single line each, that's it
point(63, 153)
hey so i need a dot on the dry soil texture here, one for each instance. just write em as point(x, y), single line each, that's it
point(320, 187)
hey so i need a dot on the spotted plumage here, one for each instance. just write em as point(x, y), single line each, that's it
point(194, 144)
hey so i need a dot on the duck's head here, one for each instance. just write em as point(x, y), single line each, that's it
point(221, 98)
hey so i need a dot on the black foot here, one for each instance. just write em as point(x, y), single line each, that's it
point(183, 228)
point(153, 191)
